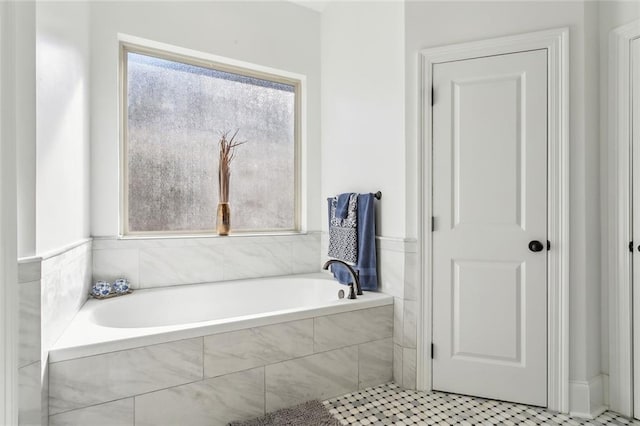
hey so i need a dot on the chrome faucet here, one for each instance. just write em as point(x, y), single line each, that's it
point(354, 275)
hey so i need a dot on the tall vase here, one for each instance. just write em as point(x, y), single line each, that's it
point(224, 219)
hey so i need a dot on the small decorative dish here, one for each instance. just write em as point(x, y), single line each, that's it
point(110, 295)
point(105, 290)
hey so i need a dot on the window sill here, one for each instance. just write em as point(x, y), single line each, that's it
point(176, 241)
point(167, 236)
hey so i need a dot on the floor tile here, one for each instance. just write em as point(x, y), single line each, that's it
point(390, 404)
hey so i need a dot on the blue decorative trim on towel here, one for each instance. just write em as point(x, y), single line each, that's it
point(343, 235)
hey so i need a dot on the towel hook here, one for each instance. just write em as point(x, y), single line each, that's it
point(378, 195)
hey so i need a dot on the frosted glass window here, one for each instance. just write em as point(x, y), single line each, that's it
point(175, 113)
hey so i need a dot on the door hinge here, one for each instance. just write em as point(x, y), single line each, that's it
point(433, 96)
point(433, 350)
point(631, 246)
point(548, 245)
point(433, 223)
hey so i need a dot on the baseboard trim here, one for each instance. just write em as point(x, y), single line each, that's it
point(588, 398)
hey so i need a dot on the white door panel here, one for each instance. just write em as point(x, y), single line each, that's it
point(470, 301)
point(489, 202)
point(635, 134)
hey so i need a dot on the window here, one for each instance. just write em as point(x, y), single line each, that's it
point(174, 110)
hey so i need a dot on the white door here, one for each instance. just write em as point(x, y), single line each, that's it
point(635, 134)
point(490, 227)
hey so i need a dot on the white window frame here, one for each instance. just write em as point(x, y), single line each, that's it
point(218, 63)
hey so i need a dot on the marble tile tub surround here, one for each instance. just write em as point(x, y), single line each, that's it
point(30, 394)
point(398, 274)
point(66, 280)
point(29, 272)
point(29, 336)
point(52, 290)
point(89, 381)
point(214, 379)
point(158, 262)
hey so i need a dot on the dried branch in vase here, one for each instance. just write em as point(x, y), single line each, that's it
point(227, 153)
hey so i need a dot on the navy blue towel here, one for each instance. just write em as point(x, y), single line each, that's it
point(367, 261)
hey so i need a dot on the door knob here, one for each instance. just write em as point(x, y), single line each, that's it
point(535, 246)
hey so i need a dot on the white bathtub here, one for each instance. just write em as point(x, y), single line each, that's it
point(166, 314)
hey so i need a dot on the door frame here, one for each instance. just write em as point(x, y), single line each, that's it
point(619, 225)
point(556, 41)
point(8, 254)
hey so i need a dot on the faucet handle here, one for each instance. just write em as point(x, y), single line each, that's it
point(352, 293)
point(358, 286)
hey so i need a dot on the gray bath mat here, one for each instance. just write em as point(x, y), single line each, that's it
point(311, 413)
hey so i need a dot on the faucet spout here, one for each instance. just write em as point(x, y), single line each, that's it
point(354, 275)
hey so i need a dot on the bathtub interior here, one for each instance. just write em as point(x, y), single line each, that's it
point(160, 315)
point(213, 301)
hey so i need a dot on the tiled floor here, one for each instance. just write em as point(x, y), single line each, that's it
point(391, 405)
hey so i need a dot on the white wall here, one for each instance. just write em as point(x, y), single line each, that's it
point(25, 66)
point(590, 186)
point(288, 40)
point(611, 15)
point(62, 124)
point(430, 24)
point(363, 129)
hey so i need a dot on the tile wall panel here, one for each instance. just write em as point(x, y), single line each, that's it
point(157, 262)
point(116, 413)
point(210, 402)
point(240, 350)
point(364, 325)
point(375, 363)
point(96, 379)
point(317, 376)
